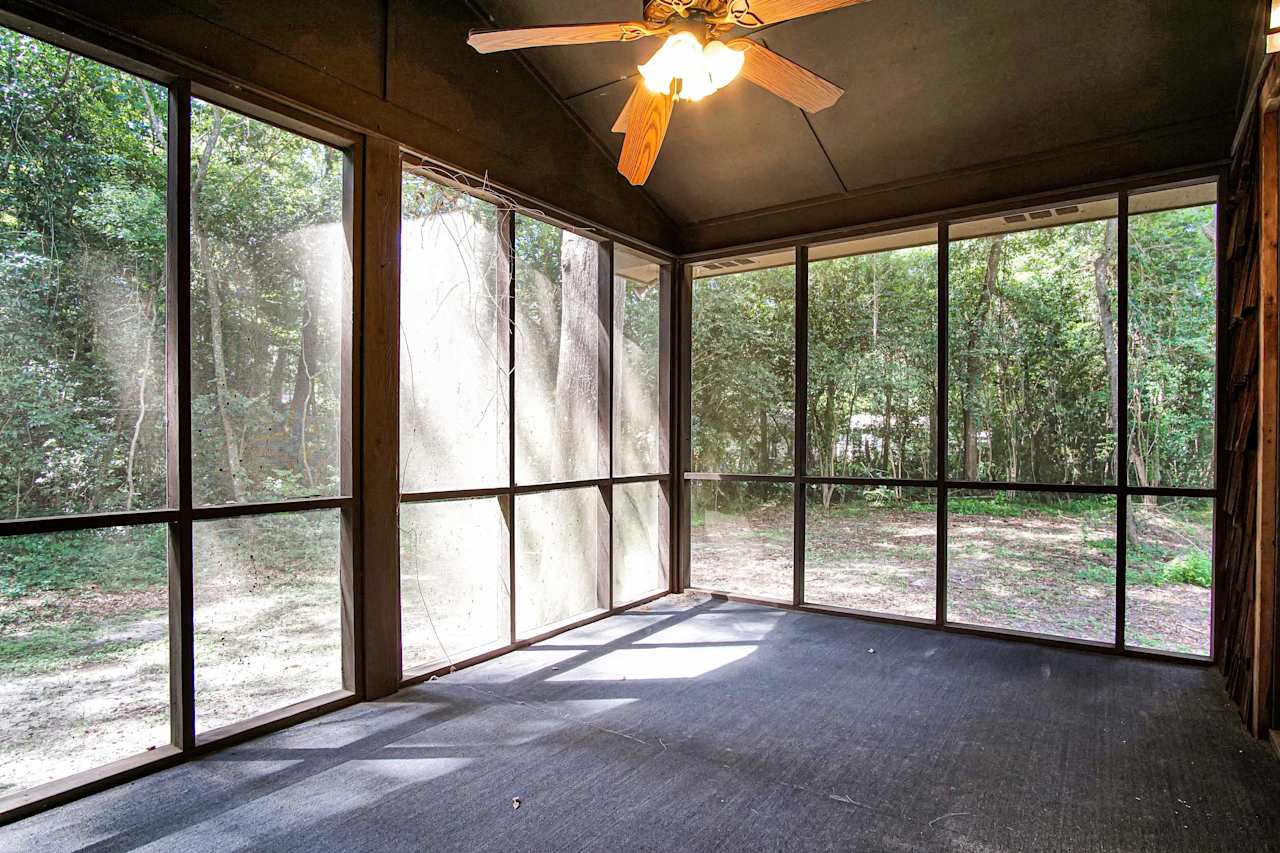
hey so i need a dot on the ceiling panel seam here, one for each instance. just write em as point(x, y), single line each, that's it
point(844, 188)
point(601, 87)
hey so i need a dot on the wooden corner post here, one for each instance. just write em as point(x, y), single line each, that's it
point(378, 598)
point(1264, 601)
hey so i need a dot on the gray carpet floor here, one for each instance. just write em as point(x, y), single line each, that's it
point(699, 724)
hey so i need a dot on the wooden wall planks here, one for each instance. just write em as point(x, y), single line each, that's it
point(1246, 556)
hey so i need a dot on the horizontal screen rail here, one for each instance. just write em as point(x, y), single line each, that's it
point(527, 489)
point(453, 494)
point(87, 521)
point(1171, 492)
point(905, 482)
point(640, 478)
point(1073, 488)
point(207, 513)
point(739, 478)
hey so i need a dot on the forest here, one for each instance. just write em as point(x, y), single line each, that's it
point(83, 412)
point(1033, 359)
point(1034, 385)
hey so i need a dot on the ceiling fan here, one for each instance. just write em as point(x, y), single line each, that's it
point(692, 62)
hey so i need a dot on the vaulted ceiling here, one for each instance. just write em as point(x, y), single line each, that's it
point(980, 96)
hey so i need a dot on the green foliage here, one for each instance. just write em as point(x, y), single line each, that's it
point(82, 234)
point(1032, 344)
point(743, 371)
point(1193, 567)
point(110, 559)
point(1154, 567)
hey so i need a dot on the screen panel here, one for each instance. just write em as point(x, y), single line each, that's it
point(743, 365)
point(1169, 575)
point(873, 316)
point(82, 285)
point(270, 277)
point(640, 541)
point(1037, 562)
point(872, 548)
point(454, 589)
point(1033, 346)
point(268, 613)
point(84, 650)
point(741, 538)
point(637, 363)
point(1172, 338)
point(559, 577)
point(454, 410)
point(558, 358)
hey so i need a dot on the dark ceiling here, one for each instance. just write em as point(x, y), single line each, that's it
point(934, 89)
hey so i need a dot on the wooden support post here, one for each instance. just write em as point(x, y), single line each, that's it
point(666, 435)
point(684, 440)
point(801, 425)
point(352, 311)
point(1268, 416)
point(377, 603)
point(182, 690)
point(604, 424)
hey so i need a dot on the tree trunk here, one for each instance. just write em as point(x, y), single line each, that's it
point(1102, 267)
point(576, 365)
point(304, 384)
point(275, 392)
point(765, 461)
point(214, 294)
point(970, 438)
point(830, 444)
point(886, 452)
point(131, 460)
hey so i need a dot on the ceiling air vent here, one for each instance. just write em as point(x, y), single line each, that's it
point(728, 263)
point(1063, 211)
point(1042, 214)
point(1016, 218)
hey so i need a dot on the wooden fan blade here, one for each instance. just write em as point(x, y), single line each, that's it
point(757, 13)
point(784, 78)
point(490, 41)
point(647, 117)
point(620, 125)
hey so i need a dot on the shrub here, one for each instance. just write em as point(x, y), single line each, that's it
point(1193, 567)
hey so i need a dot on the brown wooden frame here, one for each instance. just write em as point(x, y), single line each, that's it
point(181, 513)
point(942, 484)
point(1265, 587)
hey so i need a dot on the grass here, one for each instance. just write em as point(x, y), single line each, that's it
point(110, 558)
point(50, 647)
point(1189, 567)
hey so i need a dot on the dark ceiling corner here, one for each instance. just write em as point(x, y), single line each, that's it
point(487, 20)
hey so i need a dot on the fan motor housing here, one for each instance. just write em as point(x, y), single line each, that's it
point(712, 16)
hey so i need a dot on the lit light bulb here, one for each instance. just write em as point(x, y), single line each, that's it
point(679, 57)
point(723, 63)
point(700, 70)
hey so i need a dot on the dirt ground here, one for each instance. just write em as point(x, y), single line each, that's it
point(1048, 573)
point(98, 689)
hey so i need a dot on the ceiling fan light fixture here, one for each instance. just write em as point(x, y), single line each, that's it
point(723, 63)
point(699, 69)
